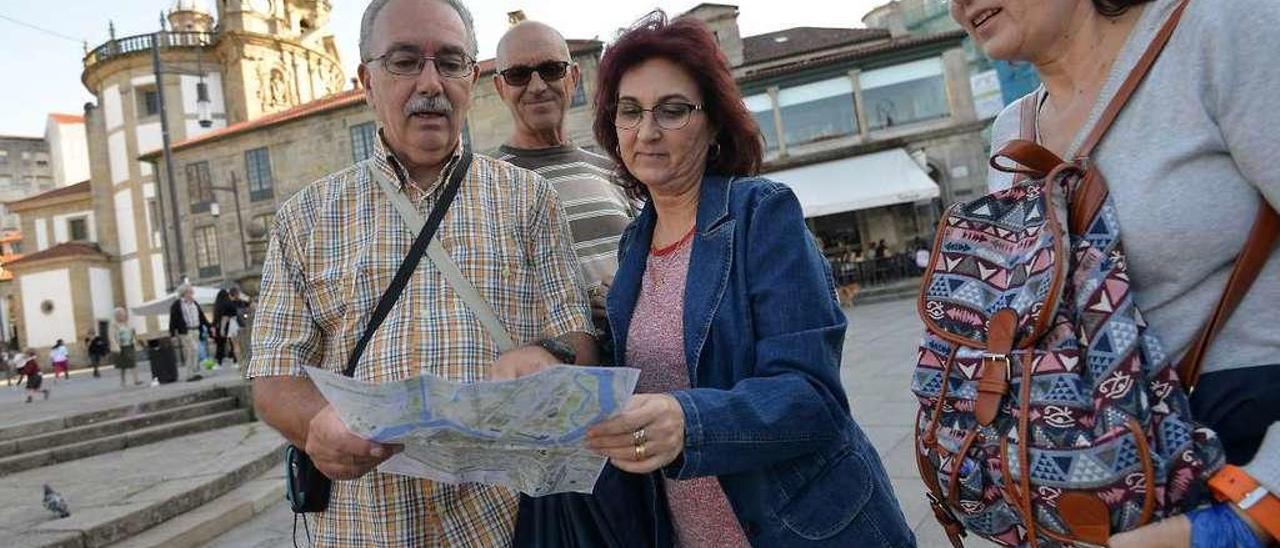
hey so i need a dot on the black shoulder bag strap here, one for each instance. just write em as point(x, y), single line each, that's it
point(306, 488)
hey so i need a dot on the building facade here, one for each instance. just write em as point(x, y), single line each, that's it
point(874, 131)
point(261, 57)
point(25, 170)
point(874, 128)
point(64, 286)
point(265, 161)
point(995, 83)
point(68, 148)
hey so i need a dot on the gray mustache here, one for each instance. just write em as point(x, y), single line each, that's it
point(428, 104)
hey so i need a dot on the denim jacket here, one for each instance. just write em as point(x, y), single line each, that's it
point(763, 334)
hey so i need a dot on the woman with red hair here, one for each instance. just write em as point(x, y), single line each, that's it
point(728, 309)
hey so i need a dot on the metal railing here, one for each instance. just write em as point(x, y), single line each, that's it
point(143, 42)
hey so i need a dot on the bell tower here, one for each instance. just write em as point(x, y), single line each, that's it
point(282, 55)
point(190, 16)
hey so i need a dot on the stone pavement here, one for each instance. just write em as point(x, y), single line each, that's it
point(879, 356)
point(83, 393)
point(116, 495)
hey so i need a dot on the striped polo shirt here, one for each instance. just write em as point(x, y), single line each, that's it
point(598, 210)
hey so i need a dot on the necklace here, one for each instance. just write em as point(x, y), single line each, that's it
point(663, 251)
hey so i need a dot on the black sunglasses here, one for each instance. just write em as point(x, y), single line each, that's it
point(549, 71)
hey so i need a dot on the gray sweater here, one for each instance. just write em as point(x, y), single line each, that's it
point(1187, 161)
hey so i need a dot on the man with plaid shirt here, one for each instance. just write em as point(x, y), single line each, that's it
point(335, 247)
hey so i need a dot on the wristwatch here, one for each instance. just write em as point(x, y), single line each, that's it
point(1234, 485)
point(560, 350)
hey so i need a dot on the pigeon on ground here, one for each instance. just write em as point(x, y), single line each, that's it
point(54, 502)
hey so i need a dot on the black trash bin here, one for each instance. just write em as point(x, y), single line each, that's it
point(164, 360)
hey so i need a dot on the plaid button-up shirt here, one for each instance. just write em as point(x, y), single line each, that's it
point(333, 251)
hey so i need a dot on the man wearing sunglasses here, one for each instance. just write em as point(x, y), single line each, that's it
point(336, 246)
point(536, 78)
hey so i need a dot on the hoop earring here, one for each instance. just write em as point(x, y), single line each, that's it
point(715, 150)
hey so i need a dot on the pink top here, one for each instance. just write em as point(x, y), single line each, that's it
point(655, 345)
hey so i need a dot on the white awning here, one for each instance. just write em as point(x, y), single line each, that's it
point(858, 182)
point(204, 296)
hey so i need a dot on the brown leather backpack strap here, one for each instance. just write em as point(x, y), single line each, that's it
point(1086, 201)
point(996, 365)
point(1027, 157)
point(946, 518)
point(1262, 240)
point(1132, 82)
point(1029, 108)
point(1089, 195)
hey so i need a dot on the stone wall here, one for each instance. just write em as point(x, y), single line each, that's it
point(300, 152)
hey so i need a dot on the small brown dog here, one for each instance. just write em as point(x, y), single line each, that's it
point(846, 293)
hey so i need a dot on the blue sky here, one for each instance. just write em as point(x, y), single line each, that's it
point(41, 72)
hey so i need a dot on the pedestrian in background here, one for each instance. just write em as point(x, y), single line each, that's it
point(9, 366)
point(30, 368)
point(124, 340)
point(186, 319)
point(97, 347)
point(227, 323)
point(58, 356)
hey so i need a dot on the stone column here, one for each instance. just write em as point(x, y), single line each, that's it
point(955, 68)
point(859, 110)
point(778, 131)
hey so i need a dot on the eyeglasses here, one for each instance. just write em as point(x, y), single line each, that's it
point(669, 115)
point(410, 63)
point(549, 71)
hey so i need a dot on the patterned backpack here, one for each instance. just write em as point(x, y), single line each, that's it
point(1048, 414)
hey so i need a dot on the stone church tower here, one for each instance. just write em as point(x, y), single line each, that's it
point(220, 63)
point(276, 54)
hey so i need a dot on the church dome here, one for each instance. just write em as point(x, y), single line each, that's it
point(197, 6)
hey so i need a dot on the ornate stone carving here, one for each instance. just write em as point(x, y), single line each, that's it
point(274, 92)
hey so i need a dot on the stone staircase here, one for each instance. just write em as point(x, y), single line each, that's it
point(81, 436)
point(175, 469)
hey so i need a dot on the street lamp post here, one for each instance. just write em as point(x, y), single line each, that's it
point(215, 211)
point(167, 151)
point(235, 195)
point(204, 118)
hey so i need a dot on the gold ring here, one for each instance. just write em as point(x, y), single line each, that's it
point(639, 436)
point(640, 452)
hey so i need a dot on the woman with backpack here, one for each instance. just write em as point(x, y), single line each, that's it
point(1169, 104)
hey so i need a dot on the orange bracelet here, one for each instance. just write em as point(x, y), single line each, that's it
point(1232, 484)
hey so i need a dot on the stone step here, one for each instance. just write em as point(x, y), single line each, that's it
point(76, 420)
point(889, 292)
point(116, 496)
point(117, 426)
point(206, 523)
point(118, 442)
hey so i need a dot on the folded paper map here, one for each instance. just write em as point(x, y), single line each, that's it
point(528, 434)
